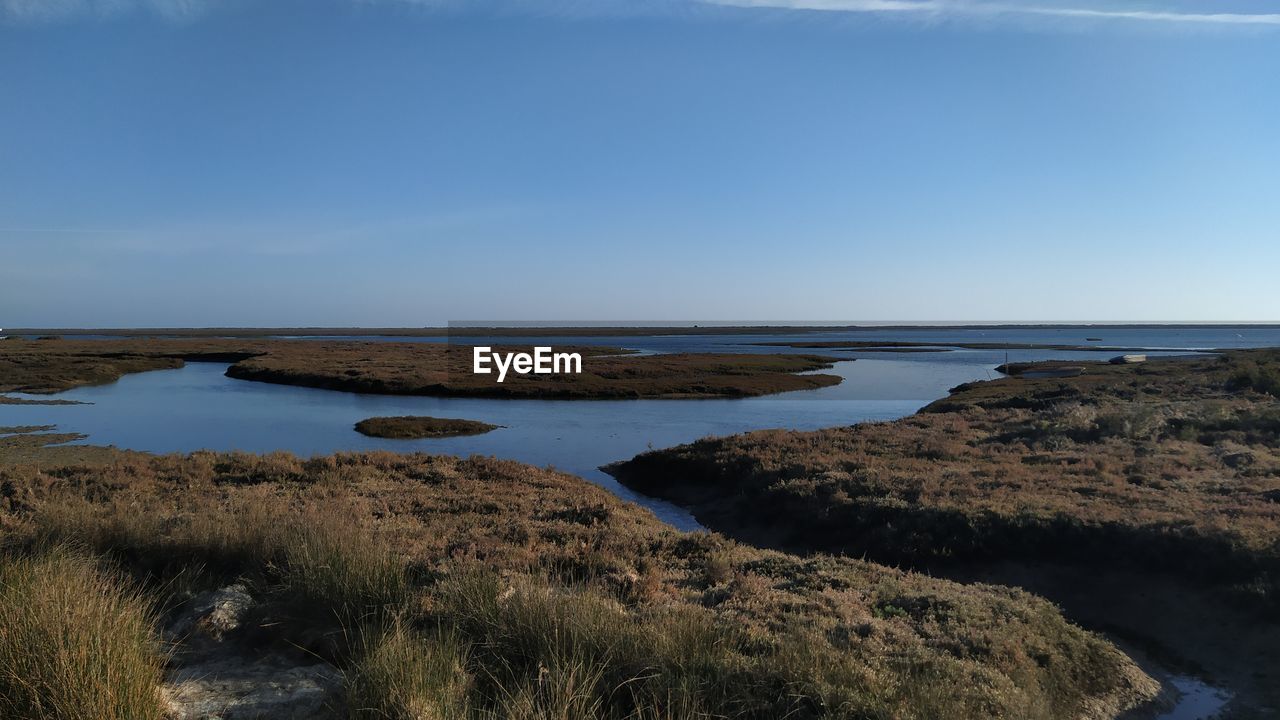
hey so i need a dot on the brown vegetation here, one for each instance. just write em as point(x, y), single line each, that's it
point(1174, 464)
point(409, 427)
point(20, 445)
point(47, 448)
point(482, 588)
point(49, 366)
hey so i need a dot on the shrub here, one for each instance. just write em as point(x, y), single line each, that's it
point(1251, 375)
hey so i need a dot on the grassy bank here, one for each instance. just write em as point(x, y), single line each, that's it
point(409, 427)
point(43, 447)
point(479, 588)
point(50, 366)
point(1171, 465)
point(47, 366)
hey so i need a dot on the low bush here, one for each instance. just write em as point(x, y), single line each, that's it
point(1263, 377)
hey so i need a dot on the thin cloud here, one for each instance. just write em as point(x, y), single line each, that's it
point(945, 8)
point(55, 10)
point(190, 10)
point(1217, 18)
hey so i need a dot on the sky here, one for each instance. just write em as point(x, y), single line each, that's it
point(173, 163)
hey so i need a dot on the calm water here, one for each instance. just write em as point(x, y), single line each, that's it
point(1171, 337)
point(1196, 700)
point(197, 407)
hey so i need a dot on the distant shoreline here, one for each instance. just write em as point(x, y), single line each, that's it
point(615, 330)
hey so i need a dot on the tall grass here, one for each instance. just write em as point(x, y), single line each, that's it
point(480, 589)
point(408, 675)
point(336, 568)
point(572, 654)
point(76, 642)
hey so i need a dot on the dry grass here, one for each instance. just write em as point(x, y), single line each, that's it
point(1171, 465)
point(44, 449)
point(49, 366)
point(411, 675)
point(483, 588)
point(76, 642)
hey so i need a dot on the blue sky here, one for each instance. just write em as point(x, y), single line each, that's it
point(386, 162)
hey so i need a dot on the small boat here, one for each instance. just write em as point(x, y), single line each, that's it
point(1093, 339)
point(1128, 359)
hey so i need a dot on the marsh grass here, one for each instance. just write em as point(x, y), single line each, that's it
point(337, 569)
point(576, 653)
point(1171, 466)
point(407, 674)
point(478, 588)
point(317, 561)
point(76, 642)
